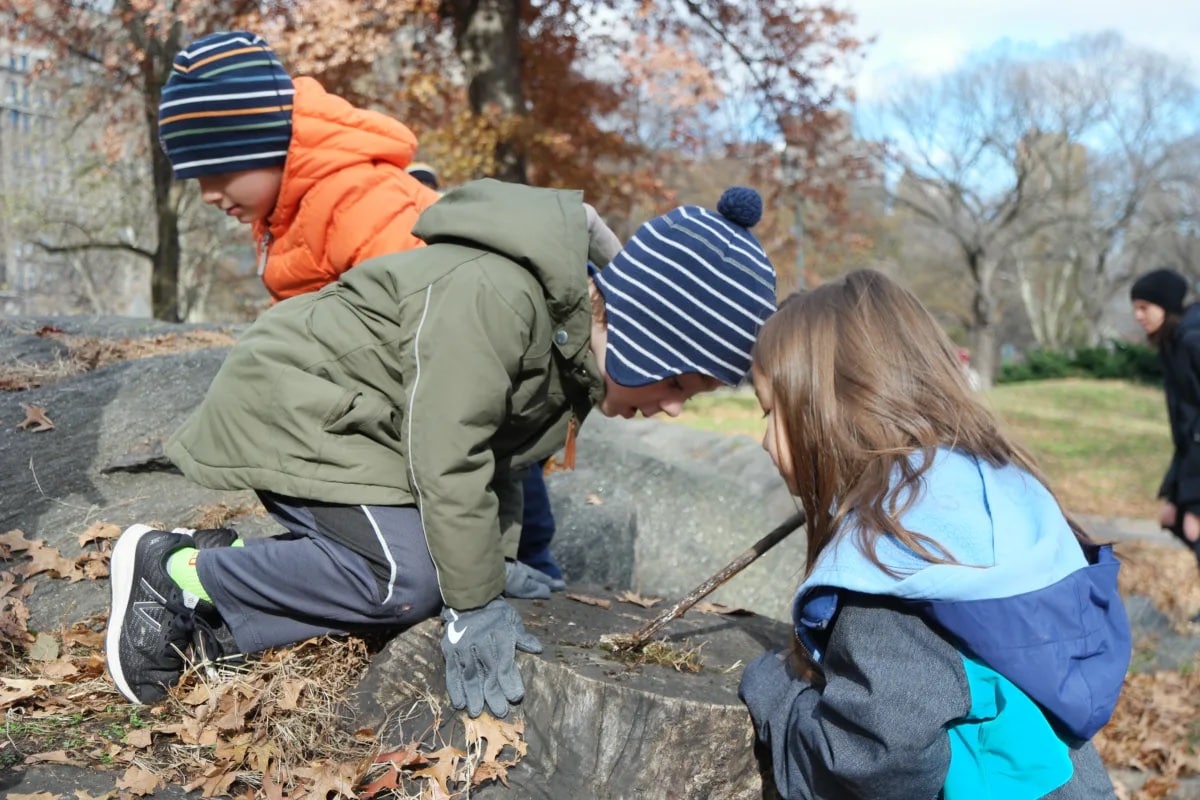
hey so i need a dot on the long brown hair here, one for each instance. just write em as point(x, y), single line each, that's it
point(863, 377)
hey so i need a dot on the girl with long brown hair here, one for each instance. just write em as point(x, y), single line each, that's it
point(956, 634)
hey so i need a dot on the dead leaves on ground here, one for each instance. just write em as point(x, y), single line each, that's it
point(1156, 725)
point(86, 353)
point(1167, 575)
point(269, 729)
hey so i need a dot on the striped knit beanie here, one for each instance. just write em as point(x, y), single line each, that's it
point(688, 293)
point(226, 107)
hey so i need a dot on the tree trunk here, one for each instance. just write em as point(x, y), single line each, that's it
point(487, 34)
point(164, 274)
point(596, 726)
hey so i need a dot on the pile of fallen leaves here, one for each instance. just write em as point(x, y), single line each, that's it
point(1167, 575)
point(271, 727)
point(86, 353)
point(1156, 727)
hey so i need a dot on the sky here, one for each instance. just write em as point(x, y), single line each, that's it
point(928, 37)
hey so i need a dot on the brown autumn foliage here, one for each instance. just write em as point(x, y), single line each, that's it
point(605, 96)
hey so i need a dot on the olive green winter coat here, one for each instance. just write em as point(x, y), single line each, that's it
point(418, 378)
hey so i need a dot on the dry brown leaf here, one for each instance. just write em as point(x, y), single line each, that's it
point(99, 531)
point(84, 794)
point(52, 757)
point(61, 670)
point(591, 601)
point(35, 419)
point(290, 692)
point(442, 769)
point(388, 779)
point(215, 781)
point(720, 608)
point(139, 781)
point(637, 600)
point(49, 560)
point(338, 780)
point(489, 771)
point(139, 737)
point(16, 541)
point(13, 690)
point(44, 648)
point(497, 733)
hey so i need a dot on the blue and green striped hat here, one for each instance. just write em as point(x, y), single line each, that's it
point(226, 107)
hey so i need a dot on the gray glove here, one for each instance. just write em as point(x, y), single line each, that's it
point(525, 582)
point(480, 649)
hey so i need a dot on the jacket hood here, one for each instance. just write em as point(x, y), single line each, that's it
point(329, 135)
point(543, 230)
point(1024, 596)
point(1002, 527)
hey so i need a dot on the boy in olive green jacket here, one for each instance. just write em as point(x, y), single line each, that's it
point(385, 420)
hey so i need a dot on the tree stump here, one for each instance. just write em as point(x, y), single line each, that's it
point(598, 725)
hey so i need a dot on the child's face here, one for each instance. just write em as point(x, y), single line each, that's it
point(774, 441)
point(249, 196)
point(667, 395)
point(1149, 316)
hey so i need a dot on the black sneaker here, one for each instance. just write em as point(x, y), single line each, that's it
point(151, 622)
point(203, 538)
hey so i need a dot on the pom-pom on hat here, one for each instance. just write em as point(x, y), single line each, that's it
point(1166, 288)
point(226, 107)
point(688, 293)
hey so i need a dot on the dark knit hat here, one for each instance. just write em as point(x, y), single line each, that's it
point(226, 107)
point(1166, 288)
point(688, 293)
point(425, 173)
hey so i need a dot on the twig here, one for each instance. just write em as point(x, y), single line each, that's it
point(638, 639)
point(36, 482)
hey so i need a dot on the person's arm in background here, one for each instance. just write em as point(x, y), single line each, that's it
point(1184, 472)
point(878, 727)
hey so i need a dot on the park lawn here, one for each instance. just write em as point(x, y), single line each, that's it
point(1103, 444)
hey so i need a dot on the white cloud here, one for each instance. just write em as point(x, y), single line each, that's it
point(931, 36)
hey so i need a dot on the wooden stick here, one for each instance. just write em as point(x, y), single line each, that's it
point(639, 638)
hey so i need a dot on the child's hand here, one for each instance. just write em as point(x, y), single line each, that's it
point(765, 682)
point(1191, 527)
point(1166, 515)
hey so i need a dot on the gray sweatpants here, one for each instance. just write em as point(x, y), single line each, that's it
point(338, 569)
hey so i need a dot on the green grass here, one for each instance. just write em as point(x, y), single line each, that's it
point(1103, 444)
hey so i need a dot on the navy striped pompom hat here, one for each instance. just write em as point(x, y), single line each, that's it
point(226, 107)
point(688, 293)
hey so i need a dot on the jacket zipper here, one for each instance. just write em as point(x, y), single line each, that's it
point(262, 255)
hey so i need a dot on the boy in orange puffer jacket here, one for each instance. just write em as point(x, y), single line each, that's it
point(325, 186)
point(323, 183)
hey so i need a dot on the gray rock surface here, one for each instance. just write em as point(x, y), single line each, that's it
point(700, 500)
point(653, 506)
point(598, 727)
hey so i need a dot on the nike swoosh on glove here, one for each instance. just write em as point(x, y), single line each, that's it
point(480, 650)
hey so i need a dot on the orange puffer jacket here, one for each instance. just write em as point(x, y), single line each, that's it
point(345, 195)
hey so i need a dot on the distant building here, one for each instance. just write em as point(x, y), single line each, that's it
point(26, 124)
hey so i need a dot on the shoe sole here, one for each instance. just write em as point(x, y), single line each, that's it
point(120, 568)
